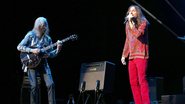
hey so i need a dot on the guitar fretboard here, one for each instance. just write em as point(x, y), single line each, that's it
point(55, 44)
point(49, 47)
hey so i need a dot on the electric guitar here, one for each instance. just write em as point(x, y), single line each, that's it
point(31, 60)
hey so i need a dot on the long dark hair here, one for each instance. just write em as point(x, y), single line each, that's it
point(140, 17)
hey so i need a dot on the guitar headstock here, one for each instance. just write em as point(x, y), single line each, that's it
point(73, 37)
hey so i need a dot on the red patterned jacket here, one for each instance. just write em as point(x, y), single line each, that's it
point(136, 43)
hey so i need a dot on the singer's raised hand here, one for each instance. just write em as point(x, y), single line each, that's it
point(130, 16)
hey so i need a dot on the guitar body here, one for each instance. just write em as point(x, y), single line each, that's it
point(29, 59)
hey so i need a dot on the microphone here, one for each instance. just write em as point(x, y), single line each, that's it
point(83, 86)
point(126, 19)
point(97, 84)
point(129, 15)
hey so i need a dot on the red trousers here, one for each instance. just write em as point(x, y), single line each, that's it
point(137, 77)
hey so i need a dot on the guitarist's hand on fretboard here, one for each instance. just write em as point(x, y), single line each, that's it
point(59, 46)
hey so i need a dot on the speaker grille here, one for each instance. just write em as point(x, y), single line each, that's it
point(102, 71)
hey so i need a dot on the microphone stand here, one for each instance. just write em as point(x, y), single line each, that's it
point(98, 93)
point(95, 96)
point(71, 100)
point(82, 93)
point(88, 95)
point(99, 97)
point(82, 96)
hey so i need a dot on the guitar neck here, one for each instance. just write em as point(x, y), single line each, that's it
point(55, 44)
point(50, 46)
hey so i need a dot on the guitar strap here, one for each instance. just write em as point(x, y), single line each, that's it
point(39, 43)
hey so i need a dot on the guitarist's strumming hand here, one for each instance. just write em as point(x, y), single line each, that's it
point(35, 51)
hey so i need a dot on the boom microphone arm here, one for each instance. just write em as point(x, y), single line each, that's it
point(160, 22)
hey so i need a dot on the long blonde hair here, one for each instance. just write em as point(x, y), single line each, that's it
point(41, 21)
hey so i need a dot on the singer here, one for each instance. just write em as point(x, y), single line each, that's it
point(136, 49)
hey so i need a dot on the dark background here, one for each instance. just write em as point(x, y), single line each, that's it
point(100, 29)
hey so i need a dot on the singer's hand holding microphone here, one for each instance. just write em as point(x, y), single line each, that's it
point(130, 18)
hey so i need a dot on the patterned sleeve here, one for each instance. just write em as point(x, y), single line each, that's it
point(126, 45)
point(52, 52)
point(23, 46)
point(141, 29)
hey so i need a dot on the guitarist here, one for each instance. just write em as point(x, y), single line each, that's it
point(39, 37)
